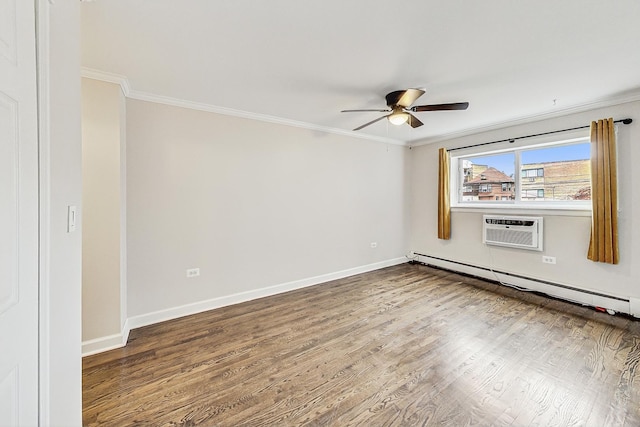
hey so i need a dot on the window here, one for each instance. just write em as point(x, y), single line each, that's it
point(546, 175)
point(487, 176)
point(530, 194)
point(532, 173)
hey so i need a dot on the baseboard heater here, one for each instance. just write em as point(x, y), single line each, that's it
point(620, 304)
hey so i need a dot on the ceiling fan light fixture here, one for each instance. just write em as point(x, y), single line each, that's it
point(398, 117)
point(400, 106)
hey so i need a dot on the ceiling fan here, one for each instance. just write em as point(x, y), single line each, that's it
point(399, 103)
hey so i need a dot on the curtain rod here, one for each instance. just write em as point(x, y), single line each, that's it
point(512, 140)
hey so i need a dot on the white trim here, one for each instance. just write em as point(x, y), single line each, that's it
point(125, 332)
point(42, 9)
point(159, 99)
point(572, 295)
point(541, 206)
point(118, 79)
point(125, 86)
point(528, 119)
point(123, 81)
point(110, 342)
point(101, 344)
point(634, 306)
point(123, 216)
point(524, 210)
point(198, 307)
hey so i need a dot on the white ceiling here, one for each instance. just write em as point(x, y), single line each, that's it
point(301, 62)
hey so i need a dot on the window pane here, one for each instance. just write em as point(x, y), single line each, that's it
point(488, 178)
point(557, 173)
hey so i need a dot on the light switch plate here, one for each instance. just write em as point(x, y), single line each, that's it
point(71, 218)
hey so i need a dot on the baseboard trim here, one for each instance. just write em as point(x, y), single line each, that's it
point(102, 344)
point(125, 332)
point(634, 306)
point(569, 293)
point(111, 342)
point(211, 304)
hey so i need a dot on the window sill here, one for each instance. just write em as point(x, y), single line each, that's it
point(555, 210)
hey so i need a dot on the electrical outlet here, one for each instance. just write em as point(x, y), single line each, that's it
point(548, 259)
point(193, 272)
point(374, 245)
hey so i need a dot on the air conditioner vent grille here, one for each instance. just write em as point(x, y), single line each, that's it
point(510, 236)
point(512, 231)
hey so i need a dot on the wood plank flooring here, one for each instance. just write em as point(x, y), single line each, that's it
point(403, 346)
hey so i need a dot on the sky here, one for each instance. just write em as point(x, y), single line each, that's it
point(505, 162)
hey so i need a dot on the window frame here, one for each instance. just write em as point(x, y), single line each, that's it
point(457, 179)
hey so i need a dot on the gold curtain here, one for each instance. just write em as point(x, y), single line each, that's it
point(444, 208)
point(603, 246)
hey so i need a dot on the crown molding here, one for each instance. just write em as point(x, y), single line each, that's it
point(121, 80)
point(609, 102)
point(144, 96)
point(118, 79)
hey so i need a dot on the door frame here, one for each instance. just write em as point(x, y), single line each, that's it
point(42, 10)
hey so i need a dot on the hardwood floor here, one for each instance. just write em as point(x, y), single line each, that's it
point(407, 345)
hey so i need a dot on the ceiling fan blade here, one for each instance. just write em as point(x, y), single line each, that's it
point(372, 122)
point(360, 111)
point(441, 107)
point(392, 98)
point(409, 97)
point(413, 121)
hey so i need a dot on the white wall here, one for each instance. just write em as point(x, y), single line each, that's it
point(252, 204)
point(565, 237)
point(61, 186)
point(102, 182)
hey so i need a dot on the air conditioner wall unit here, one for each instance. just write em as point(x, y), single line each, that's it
point(522, 232)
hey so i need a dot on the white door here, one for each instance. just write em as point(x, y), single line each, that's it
point(18, 215)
